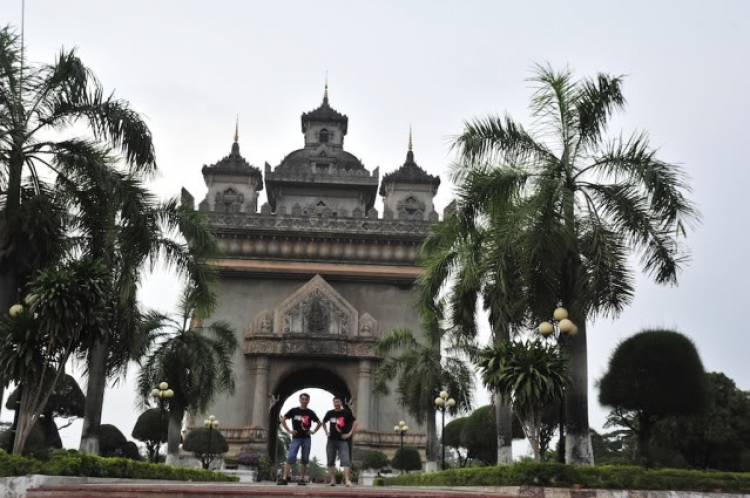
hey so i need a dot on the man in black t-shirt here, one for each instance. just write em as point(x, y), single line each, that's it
point(339, 424)
point(302, 418)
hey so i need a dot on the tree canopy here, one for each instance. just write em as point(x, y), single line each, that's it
point(652, 375)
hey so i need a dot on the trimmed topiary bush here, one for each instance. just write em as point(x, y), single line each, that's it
point(411, 459)
point(151, 428)
point(130, 451)
point(653, 375)
point(205, 450)
point(479, 435)
point(111, 441)
point(373, 459)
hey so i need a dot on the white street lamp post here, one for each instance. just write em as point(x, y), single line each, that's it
point(162, 393)
point(401, 429)
point(442, 403)
point(211, 423)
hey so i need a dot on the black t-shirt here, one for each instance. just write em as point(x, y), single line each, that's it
point(302, 420)
point(339, 422)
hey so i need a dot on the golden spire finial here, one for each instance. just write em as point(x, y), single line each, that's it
point(410, 144)
point(237, 129)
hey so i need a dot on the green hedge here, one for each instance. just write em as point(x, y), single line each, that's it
point(73, 464)
point(563, 476)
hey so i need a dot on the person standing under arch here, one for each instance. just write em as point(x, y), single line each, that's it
point(302, 418)
point(339, 425)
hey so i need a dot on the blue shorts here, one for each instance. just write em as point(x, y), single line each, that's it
point(299, 442)
point(342, 448)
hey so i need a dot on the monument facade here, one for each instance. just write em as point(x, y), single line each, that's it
point(314, 278)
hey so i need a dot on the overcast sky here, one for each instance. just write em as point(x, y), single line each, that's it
point(192, 66)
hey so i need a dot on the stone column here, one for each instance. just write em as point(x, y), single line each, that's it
point(364, 394)
point(260, 395)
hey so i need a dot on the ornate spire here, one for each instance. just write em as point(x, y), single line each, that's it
point(236, 145)
point(325, 93)
point(410, 152)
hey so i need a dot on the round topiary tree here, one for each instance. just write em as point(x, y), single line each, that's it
point(409, 460)
point(652, 375)
point(151, 428)
point(205, 449)
point(374, 459)
point(111, 441)
point(479, 435)
point(452, 438)
point(130, 451)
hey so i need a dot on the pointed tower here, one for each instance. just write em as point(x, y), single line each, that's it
point(233, 184)
point(408, 191)
point(322, 179)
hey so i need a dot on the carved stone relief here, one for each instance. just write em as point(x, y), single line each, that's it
point(262, 323)
point(411, 209)
point(316, 309)
point(368, 326)
point(229, 201)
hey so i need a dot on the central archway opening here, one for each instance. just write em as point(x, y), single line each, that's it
point(322, 385)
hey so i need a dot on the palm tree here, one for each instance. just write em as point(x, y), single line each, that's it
point(129, 232)
point(531, 373)
point(422, 370)
point(584, 202)
point(195, 362)
point(474, 253)
point(38, 102)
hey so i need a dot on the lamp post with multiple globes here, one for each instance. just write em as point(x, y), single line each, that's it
point(210, 423)
point(442, 403)
point(561, 329)
point(401, 429)
point(162, 393)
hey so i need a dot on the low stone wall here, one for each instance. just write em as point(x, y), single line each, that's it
point(16, 487)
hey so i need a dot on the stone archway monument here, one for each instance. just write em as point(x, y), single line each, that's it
point(314, 278)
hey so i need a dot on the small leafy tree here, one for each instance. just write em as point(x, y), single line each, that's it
point(65, 306)
point(197, 442)
point(653, 375)
point(530, 373)
point(151, 428)
point(408, 460)
point(130, 451)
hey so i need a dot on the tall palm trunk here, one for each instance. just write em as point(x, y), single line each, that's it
point(173, 435)
point(97, 383)
point(503, 414)
point(432, 439)
point(578, 449)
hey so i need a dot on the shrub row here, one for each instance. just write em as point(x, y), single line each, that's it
point(560, 475)
point(74, 464)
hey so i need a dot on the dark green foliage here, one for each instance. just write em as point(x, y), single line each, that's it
point(613, 448)
point(718, 439)
point(130, 451)
point(451, 438)
point(74, 464)
point(565, 476)
point(36, 444)
point(410, 461)
point(265, 468)
point(479, 435)
point(373, 459)
point(151, 428)
point(66, 401)
point(205, 444)
point(111, 441)
point(653, 375)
